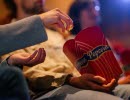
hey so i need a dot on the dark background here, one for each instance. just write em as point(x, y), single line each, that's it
point(115, 17)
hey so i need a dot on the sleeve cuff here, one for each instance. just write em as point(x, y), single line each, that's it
point(5, 63)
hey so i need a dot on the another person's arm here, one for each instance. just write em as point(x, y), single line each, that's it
point(21, 34)
point(25, 59)
point(30, 31)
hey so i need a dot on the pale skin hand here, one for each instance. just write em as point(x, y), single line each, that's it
point(57, 18)
point(91, 82)
point(26, 59)
point(124, 80)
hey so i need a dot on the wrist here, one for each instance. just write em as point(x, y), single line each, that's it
point(68, 79)
point(9, 61)
point(73, 81)
point(42, 18)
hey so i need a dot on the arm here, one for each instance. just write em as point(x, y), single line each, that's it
point(23, 33)
point(30, 31)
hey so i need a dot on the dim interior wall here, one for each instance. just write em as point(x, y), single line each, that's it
point(119, 32)
point(50, 4)
point(61, 4)
point(3, 10)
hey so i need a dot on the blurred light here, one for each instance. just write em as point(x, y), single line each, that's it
point(126, 0)
point(97, 8)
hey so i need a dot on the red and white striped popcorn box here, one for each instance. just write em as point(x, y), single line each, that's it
point(90, 53)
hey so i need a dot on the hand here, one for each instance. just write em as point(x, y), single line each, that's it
point(124, 80)
point(91, 82)
point(26, 59)
point(57, 18)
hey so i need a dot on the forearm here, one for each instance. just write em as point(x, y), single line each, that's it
point(21, 34)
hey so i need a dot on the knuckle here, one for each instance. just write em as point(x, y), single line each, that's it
point(57, 9)
point(68, 19)
point(58, 14)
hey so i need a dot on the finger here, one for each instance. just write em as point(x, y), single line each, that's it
point(88, 84)
point(65, 20)
point(70, 25)
point(111, 85)
point(32, 56)
point(62, 12)
point(113, 81)
point(96, 87)
point(61, 25)
point(43, 55)
point(97, 79)
point(70, 21)
point(36, 59)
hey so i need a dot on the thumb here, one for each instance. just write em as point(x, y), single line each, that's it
point(111, 85)
point(98, 79)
